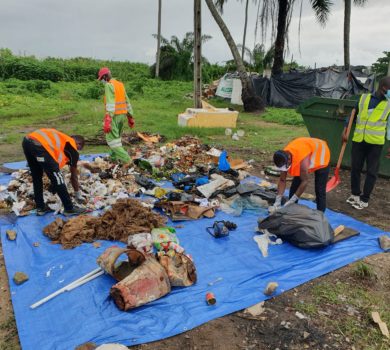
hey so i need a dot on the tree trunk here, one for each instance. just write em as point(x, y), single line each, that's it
point(158, 40)
point(251, 101)
point(197, 54)
point(277, 67)
point(245, 26)
point(347, 25)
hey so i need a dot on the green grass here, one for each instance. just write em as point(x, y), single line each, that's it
point(364, 299)
point(309, 309)
point(364, 271)
point(156, 105)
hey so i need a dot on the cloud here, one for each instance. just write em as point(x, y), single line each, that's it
point(122, 30)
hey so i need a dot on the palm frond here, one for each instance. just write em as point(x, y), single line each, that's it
point(219, 5)
point(359, 2)
point(321, 9)
point(164, 41)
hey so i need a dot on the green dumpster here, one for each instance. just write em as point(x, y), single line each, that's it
point(324, 119)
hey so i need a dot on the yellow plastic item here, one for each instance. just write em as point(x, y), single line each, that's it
point(208, 117)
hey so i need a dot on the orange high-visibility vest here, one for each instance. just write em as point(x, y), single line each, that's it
point(54, 141)
point(302, 147)
point(120, 97)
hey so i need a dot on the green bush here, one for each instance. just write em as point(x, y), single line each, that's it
point(37, 86)
point(93, 91)
point(20, 87)
point(212, 72)
point(57, 69)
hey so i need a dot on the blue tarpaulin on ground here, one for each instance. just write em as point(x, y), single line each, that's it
point(88, 314)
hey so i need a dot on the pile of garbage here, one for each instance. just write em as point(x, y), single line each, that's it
point(205, 179)
point(128, 139)
point(126, 217)
point(101, 182)
point(186, 154)
point(154, 263)
point(145, 276)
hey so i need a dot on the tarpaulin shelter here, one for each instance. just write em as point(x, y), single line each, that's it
point(292, 88)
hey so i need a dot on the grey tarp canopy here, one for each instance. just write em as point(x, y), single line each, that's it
point(291, 89)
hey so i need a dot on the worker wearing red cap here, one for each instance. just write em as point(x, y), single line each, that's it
point(118, 108)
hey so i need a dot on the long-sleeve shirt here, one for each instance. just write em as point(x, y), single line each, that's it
point(374, 101)
point(110, 100)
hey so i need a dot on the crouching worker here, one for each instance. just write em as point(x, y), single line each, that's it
point(299, 158)
point(48, 150)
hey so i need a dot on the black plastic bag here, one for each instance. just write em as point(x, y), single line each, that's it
point(300, 226)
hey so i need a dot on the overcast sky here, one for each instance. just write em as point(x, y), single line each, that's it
point(122, 29)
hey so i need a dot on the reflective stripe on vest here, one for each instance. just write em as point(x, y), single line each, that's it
point(319, 144)
point(110, 107)
point(316, 150)
point(56, 149)
point(371, 127)
point(120, 97)
point(115, 143)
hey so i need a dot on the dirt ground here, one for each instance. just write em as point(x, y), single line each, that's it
point(336, 307)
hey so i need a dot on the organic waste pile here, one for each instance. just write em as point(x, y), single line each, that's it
point(126, 217)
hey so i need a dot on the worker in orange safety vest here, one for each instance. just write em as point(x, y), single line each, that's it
point(299, 158)
point(49, 150)
point(117, 109)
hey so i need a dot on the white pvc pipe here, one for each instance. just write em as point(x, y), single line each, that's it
point(86, 278)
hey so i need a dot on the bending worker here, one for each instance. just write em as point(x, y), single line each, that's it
point(118, 108)
point(48, 150)
point(299, 158)
point(368, 139)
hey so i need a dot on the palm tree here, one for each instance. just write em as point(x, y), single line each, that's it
point(321, 9)
point(177, 57)
point(158, 40)
point(220, 5)
point(251, 101)
point(245, 26)
point(347, 27)
point(258, 58)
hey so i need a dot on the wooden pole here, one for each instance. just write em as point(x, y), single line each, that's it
point(197, 54)
point(158, 40)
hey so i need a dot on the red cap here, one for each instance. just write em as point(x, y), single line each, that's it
point(103, 71)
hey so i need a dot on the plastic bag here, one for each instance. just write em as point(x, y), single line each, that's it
point(299, 225)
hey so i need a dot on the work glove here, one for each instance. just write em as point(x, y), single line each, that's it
point(277, 205)
point(278, 202)
point(292, 200)
point(107, 123)
point(130, 120)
